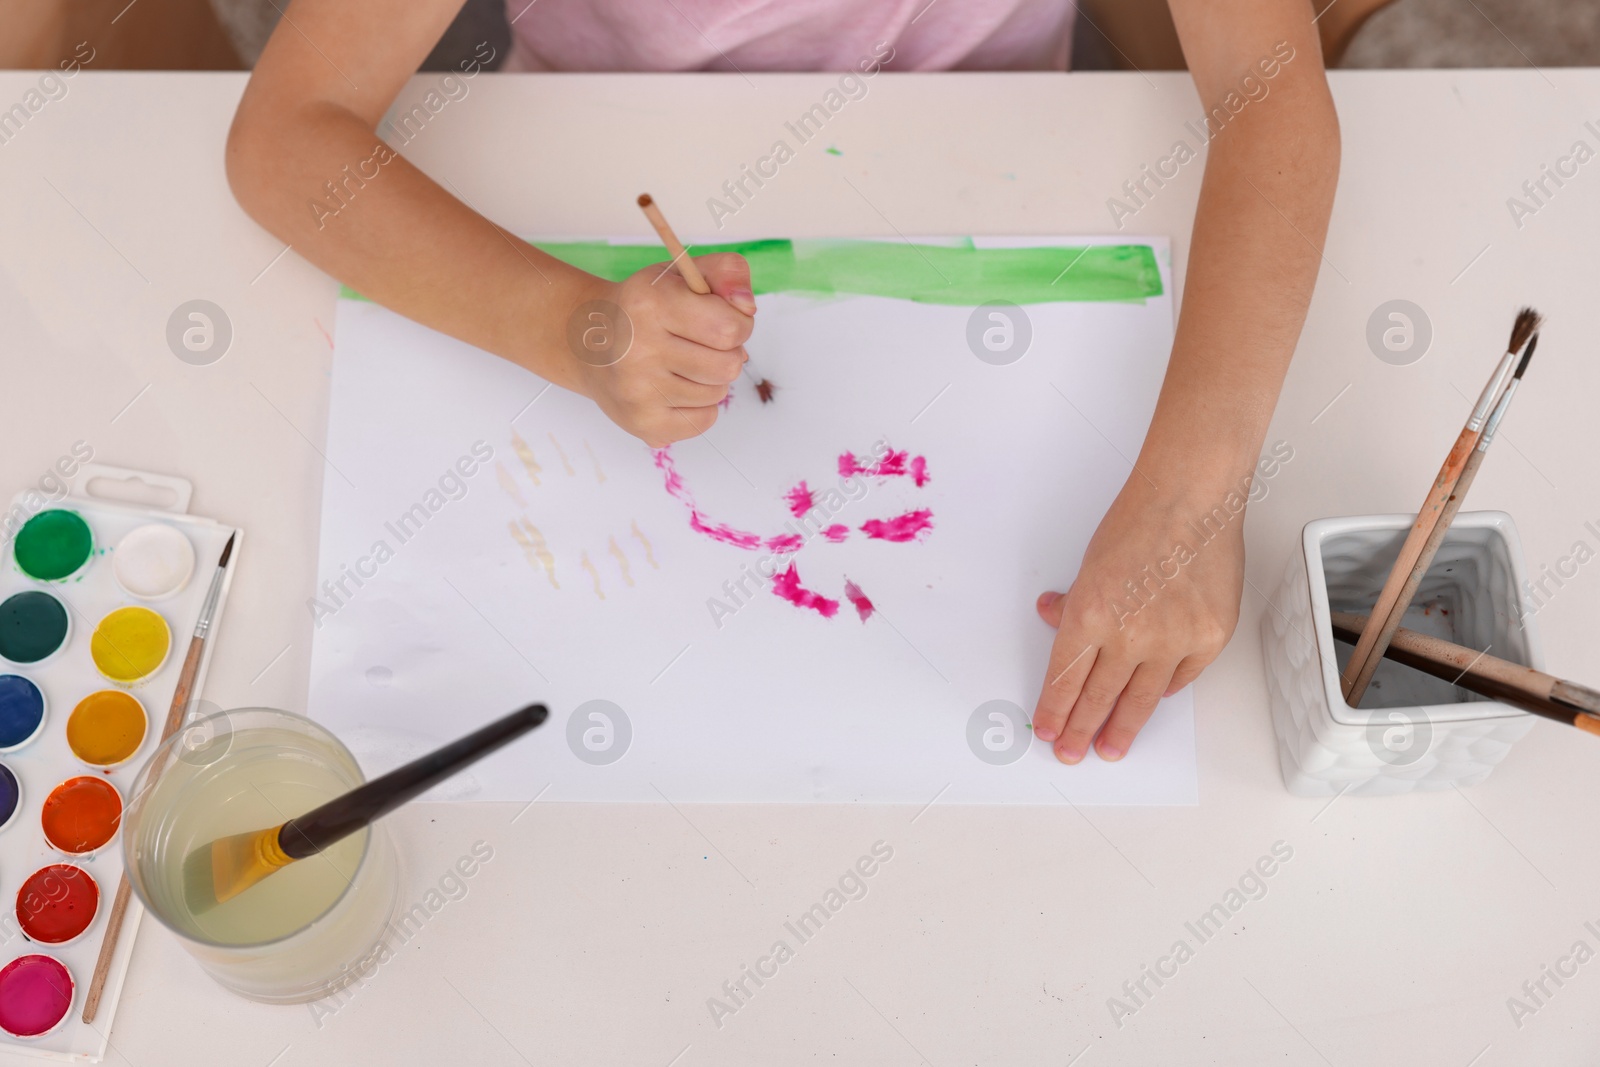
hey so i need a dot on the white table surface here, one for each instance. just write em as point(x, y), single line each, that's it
point(596, 934)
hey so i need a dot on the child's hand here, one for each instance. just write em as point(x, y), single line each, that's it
point(1115, 653)
point(686, 350)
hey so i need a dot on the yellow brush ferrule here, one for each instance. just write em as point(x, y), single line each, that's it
point(270, 853)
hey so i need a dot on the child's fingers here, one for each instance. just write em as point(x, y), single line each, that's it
point(708, 321)
point(1071, 659)
point(1188, 670)
point(1049, 607)
point(728, 274)
point(680, 392)
point(708, 366)
point(1099, 694)
point(668, 425)
point(1133, 710)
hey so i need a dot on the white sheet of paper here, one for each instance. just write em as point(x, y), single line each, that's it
point(456, 619)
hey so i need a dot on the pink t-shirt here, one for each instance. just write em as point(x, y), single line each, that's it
point(788, 35)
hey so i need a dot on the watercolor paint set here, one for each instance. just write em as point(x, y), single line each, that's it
point(100, 592)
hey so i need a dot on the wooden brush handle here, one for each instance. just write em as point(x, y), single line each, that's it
point(686, 264)
point(1369, 649)
point(1498, 679)
point(1577, 696)
point(339, 818)
point(1387, 625)
point(119, 909)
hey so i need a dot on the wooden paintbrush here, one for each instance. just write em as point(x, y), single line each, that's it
point(1369, 649)
point(1441, 528)
point(680, 255)
point(175, 716)
point(226, 867)
point(691, 274)
point(1531, 690)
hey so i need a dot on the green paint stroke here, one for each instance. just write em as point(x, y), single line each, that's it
point(957, 273)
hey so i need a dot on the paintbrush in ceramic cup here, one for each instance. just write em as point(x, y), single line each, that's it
point(228, 866)
point(1499, 679)
point(1369, 650)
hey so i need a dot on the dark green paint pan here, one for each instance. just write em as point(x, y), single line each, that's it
point(33, 626)
point(53, 545)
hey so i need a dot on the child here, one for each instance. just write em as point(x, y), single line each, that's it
point(333, 67)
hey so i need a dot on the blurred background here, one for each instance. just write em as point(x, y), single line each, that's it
point(1111, 35)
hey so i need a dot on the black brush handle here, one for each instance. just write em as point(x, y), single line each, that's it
point(318, 828)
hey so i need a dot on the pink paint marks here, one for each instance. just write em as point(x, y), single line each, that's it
point(853, 593)
point(890, 466)
point(907, 527)
point(698, 522)
point(721, 531)
point(800, 499)
point(786, 544)
point(894, 464)
point(787, 585)
point(324, 333)
point(725, 401)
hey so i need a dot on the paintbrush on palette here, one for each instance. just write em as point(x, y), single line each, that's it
point(1411, 564)
point(1531, 690)
point(228, 866)
point(175, 716)
point(691, 274)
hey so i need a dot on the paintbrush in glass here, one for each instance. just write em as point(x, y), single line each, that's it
point(224, 868)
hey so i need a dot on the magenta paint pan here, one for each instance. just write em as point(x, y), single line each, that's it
point(35, 995)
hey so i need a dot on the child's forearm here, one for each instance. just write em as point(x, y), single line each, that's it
point(1253, 263)
point(319, 178)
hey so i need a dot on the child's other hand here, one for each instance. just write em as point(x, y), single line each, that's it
point(687, 349)
point(1116, 653)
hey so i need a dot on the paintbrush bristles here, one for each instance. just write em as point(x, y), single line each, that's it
point(1527, 356)
point(1527, 322)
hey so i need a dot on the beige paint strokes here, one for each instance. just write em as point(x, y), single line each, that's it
point(622, 561)
point(535, 550)
point(532, 542)
point(503, 476)
point(588, 565)
point(563, 454)
point(649, 556)
point(524, 453)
